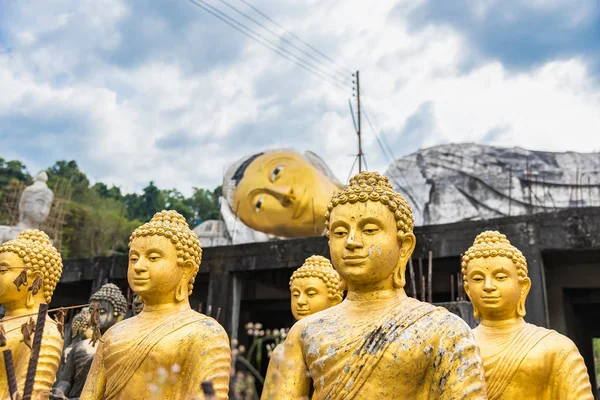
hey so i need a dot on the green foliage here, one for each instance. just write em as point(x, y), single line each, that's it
point(71, 173)
point(596, 345)
point(204, 205)
point(99, 219)
point(11, 170)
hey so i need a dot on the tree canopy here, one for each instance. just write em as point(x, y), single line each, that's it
point(98, 218)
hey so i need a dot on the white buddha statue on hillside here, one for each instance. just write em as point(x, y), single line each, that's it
point(34, 208)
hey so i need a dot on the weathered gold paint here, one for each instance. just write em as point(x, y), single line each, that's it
point(378, 343)
point(31, 251)
point(282, 194)
point(521, 360)
point(167, 338)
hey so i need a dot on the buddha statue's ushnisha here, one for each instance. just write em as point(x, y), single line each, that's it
point(521, 360)
point(280, 192)
point(34, 208)
point(112, 307)
point(30, 268)
point(164, 257)
point(378, 343)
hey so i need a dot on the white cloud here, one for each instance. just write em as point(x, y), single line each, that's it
point(134, 115)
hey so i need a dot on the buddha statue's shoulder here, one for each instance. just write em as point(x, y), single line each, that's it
point(191, 321)
point(449, 320)
point(551, 343)
point(206, 327)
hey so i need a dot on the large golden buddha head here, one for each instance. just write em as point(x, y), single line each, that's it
point(164, 258)
point(495, 277)
point(280, 192)
point(314, 287)
point(370, 230)
point(33, 253)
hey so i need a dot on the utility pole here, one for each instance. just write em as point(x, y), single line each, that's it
point(360, 152)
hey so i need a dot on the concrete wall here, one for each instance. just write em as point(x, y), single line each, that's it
point(225, 269)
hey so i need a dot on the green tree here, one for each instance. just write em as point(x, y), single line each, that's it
point(204, 205)
point(69, 171)
point(144, 206)
point(174, 200)
point(13, 170)
point(113, 193)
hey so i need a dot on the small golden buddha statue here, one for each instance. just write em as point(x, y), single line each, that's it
point(521, 360)
point(281, 192)
point(167, 335)
point(378, 343)
point(314, 287)
point(30, 256)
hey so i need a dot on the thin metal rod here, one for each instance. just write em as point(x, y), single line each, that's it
point(452, 298)
point(413, 284)
point(422, 279)
point(360, 152)
point(10, 374)
point(35, 352)
point(430, 277)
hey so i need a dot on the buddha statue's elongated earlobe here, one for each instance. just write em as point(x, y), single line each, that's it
point(399, 278)
point(181, 292)
point(521, 306)
point(29, 300)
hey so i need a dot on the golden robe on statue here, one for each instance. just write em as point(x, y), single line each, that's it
point(49, 359)
point(429, 352)
point(519, 365)
point(129, 357)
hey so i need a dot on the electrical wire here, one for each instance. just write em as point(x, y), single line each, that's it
point(243, 14)
point(296, 37)
point(270, 45)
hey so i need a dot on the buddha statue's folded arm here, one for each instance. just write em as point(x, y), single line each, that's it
point(288, 379)
point(570, 379)
point(214, 354)
point(96, 381)
point(458, 365)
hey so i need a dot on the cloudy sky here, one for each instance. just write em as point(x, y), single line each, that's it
point(138, 90)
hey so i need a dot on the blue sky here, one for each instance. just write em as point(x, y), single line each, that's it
point(160, 90)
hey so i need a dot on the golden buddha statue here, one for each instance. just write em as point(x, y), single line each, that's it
point(30, 256)
point(521, 360)
point(314, 287)
point(167, 335)
point(378, 343)
point(280, 192)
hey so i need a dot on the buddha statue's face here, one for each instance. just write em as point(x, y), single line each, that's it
point(153, 272)
point(107, 315)
point(35, 207)
point(281, 193)
point(309, 296)
point(494, 288)
point(8, 273)
point(364, 245)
